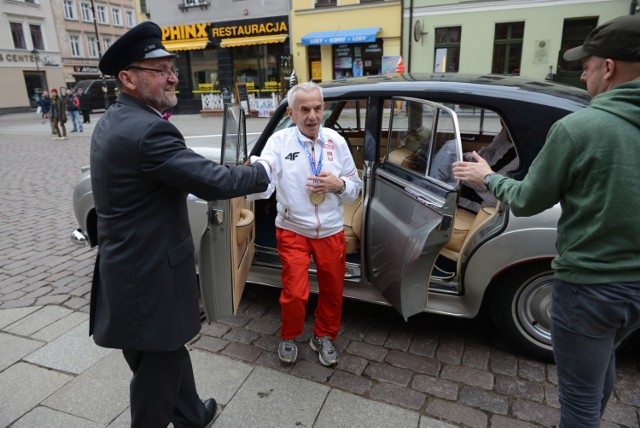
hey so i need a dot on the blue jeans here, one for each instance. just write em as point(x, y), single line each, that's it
point(588, 323)
point(75, 119)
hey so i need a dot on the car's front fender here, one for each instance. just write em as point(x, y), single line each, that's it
point(84, 206)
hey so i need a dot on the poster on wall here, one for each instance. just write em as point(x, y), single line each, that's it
point(389, 64)
point(357, 67)
point(316, 71)
point(440, 65)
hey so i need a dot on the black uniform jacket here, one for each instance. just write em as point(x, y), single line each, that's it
point(145, 293)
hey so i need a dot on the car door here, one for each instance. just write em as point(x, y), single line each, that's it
point(227, 244)
point(411, 201)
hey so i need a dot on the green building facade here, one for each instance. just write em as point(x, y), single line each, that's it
point(521, 37)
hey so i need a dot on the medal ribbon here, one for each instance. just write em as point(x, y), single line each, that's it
point(315, 170)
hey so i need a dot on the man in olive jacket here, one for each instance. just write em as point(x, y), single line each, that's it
point(589, 164)
point(144, 298)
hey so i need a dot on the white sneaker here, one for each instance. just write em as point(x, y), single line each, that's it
point(288, 351)
point(327, 353)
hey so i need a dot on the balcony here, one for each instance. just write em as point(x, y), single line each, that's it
point(188, 4)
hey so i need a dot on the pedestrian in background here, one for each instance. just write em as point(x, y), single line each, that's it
point(312, 172)
point(58, 115)
point(73, 107)
point(45, 106)
point(589, 164)
point(85, 106)
point(144, 298)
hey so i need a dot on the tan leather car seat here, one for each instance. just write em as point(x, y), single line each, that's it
point(465, 223)
point(353, 224)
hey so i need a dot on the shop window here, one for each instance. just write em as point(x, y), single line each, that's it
point(18, 36)
point(204, 72)
point(507, 48)
point(257, 66)
point(315, 63)
point(447, 49)
point(355, 60)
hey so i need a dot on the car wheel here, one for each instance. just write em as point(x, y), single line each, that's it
point(521, 309)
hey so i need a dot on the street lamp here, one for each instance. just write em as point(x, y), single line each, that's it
point(36, 55)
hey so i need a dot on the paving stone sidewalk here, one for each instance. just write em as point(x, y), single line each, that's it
point(433, 368)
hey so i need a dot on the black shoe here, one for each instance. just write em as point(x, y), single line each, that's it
point(210, 407)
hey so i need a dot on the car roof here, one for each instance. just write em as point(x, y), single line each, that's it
point(474, 86)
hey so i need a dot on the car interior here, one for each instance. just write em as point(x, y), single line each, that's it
point(410, 142)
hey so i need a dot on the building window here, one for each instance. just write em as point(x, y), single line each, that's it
point(85, 12)
point(18, 36)
point(116, 17)
point(76, 47)
point(257, 65)
point(130, 18)
point(101, 11)
point(355, 60)
point(507, 48)
point(36, 36)
point(106, 43)
point(315, 63)
point(447, 49)
point(92, 44)
point(325, 3)
point(204, 71)
point(70, 9)
point(573, 34)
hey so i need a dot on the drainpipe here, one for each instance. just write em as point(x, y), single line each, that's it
point(410, 38)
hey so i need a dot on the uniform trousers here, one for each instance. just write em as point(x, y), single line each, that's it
point(330, 257)
point(163, 390)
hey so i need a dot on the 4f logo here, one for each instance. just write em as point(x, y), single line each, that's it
point(292, 156)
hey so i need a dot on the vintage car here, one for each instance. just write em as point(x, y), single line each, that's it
point(417, 239)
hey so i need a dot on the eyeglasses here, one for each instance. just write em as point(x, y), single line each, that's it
point(164, 72)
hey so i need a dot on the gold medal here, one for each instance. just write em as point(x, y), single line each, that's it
point(316, 198)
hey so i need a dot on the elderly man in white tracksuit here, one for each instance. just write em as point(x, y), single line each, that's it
point(313, 171)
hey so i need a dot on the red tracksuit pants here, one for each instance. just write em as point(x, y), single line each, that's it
point(295, 254)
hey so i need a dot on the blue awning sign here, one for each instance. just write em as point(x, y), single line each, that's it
point(338, 37)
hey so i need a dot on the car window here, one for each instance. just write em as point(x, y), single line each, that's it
point(422, 139)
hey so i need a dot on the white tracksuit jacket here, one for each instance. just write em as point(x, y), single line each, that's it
point(290, 168)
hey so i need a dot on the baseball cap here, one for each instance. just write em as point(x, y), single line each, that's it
point(144, 41)
point(616, 39)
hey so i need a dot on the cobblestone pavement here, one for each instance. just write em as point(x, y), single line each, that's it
point(458, 371)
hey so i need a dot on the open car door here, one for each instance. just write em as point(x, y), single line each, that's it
point(227, 244)
point(412, 201)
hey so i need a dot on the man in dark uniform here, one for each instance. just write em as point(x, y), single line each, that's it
point(144, 298)
point(85, 107)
